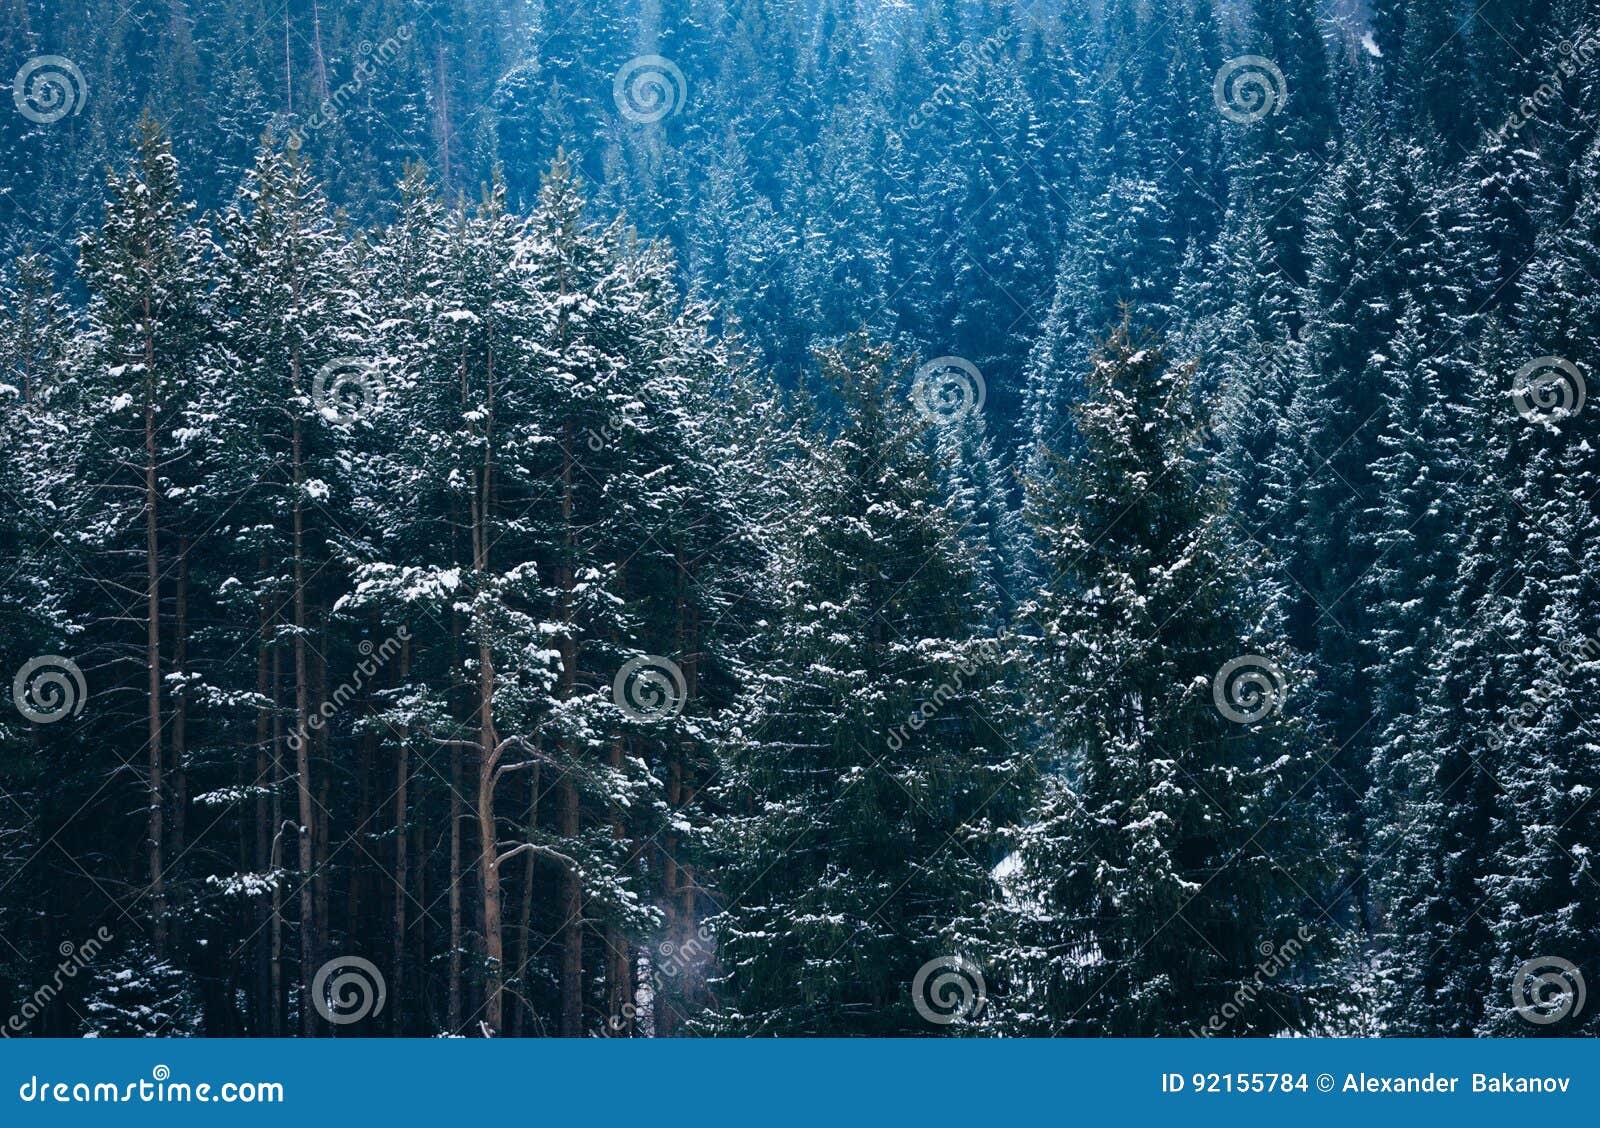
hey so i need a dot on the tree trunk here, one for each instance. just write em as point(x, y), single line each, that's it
point(454, 1012)
point(279, 987)
point(619, 957)
point(154, 829)
point(180, 705)
point(263, 812)
point(572, 927)
point(524, 940)
point(401, 857)
point(302, 752)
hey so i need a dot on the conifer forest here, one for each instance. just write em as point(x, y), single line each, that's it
point(892, 518)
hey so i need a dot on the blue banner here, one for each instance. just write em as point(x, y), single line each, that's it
point(828, 1083)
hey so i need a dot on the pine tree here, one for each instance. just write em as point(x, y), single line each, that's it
point(1173, 845)
point(873, 767)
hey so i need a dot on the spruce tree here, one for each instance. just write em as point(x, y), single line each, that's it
point(1173, 845)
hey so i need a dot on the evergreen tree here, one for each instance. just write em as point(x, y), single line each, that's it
point(873, 768)
point(1173, 845)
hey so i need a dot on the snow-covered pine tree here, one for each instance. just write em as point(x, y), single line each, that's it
point(145, 274)
point(1173, 847)
point(873, 766)
point(140, 995)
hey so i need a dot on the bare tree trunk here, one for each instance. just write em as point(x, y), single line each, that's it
point(571, 816)
point(401, 857)
point(619, 954)
point(302, 742)
point(154, 829)
point(665, 1016)
point(320, 831)
point(279, 987)
point(369, 741)
point(455, 892)
point(488, 739)
point(445, 138)
point(572, 927)
point(316, 49)
point(263, 845)
point(524, 941)
point(288, 62)
point(180, 705)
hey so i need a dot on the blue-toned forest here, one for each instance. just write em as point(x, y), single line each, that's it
point(643, 518)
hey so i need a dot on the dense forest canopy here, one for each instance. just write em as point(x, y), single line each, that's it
point(799, 517)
